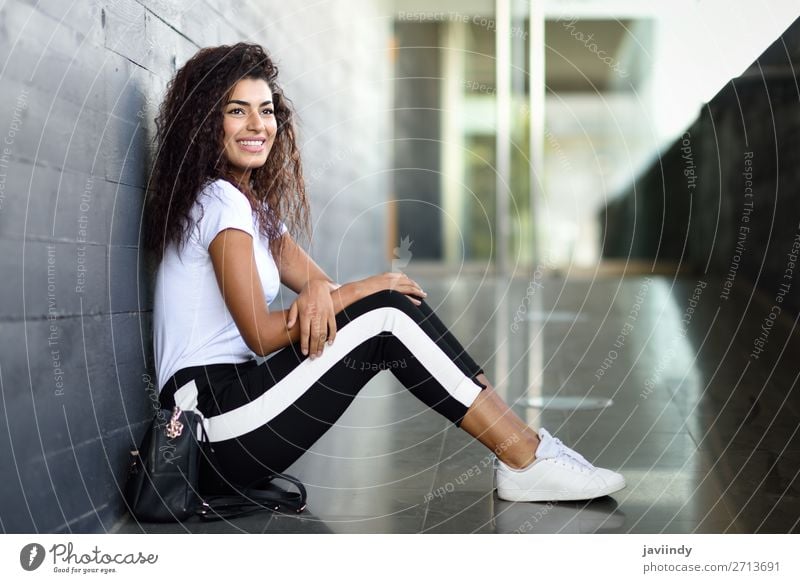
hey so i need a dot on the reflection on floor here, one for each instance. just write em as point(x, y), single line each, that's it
point(705, 433)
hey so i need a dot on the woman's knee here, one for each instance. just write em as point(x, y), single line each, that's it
point(389, 298)
point(381, 299)
point(385, 298)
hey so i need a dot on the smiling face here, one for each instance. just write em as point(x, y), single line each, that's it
point(249, 127)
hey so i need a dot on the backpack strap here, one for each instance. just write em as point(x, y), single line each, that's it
point(251, 499)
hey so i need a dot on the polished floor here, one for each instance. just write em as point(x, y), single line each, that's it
point(653, 377)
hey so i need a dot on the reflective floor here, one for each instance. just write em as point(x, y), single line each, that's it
point(653, 377)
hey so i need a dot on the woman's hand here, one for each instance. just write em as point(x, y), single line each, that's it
point(313, 311)
point(397, 281)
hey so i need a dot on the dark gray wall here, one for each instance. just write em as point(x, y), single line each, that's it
point(692, 205)
point(417, 146)
point(80, 84)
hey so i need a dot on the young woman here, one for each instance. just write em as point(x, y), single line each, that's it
point(226, 179)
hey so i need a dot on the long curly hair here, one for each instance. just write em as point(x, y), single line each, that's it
point(189, 150)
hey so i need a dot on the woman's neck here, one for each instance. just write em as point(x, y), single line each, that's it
point(240, 180)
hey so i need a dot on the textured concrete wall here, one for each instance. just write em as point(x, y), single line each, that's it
point(723, 199)
point(80, 83)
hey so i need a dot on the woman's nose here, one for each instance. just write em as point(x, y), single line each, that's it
point(255, 121)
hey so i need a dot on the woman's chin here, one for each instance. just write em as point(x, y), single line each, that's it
point(251, 164)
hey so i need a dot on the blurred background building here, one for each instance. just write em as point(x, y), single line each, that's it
point(473, 144)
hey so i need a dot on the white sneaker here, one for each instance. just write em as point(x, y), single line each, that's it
point(558, 473)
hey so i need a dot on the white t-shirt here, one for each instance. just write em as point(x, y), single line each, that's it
point(191, 323)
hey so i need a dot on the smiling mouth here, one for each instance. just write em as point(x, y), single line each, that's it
point(253, 146)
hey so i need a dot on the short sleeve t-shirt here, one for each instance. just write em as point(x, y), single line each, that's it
point(191, 323)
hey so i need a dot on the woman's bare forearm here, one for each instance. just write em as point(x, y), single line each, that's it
point(275, 333)
point(297, 268)
point(347, 294)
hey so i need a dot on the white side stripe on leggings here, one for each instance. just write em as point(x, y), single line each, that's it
point(279, 397)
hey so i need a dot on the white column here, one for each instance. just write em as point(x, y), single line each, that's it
point(452, 179)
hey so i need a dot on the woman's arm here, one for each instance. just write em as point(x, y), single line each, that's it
point(354, 291)
point(312, 311)
point(348, 293)
point(263, 331)
point(237, 275)
point(297, 268)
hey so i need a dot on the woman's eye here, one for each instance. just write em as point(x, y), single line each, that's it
point(239, 110)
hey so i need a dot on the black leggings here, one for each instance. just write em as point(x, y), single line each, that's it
point(262, 417)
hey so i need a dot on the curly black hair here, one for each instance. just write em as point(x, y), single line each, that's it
point(189, 150)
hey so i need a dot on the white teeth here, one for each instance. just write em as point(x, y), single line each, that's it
point(251, 142)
